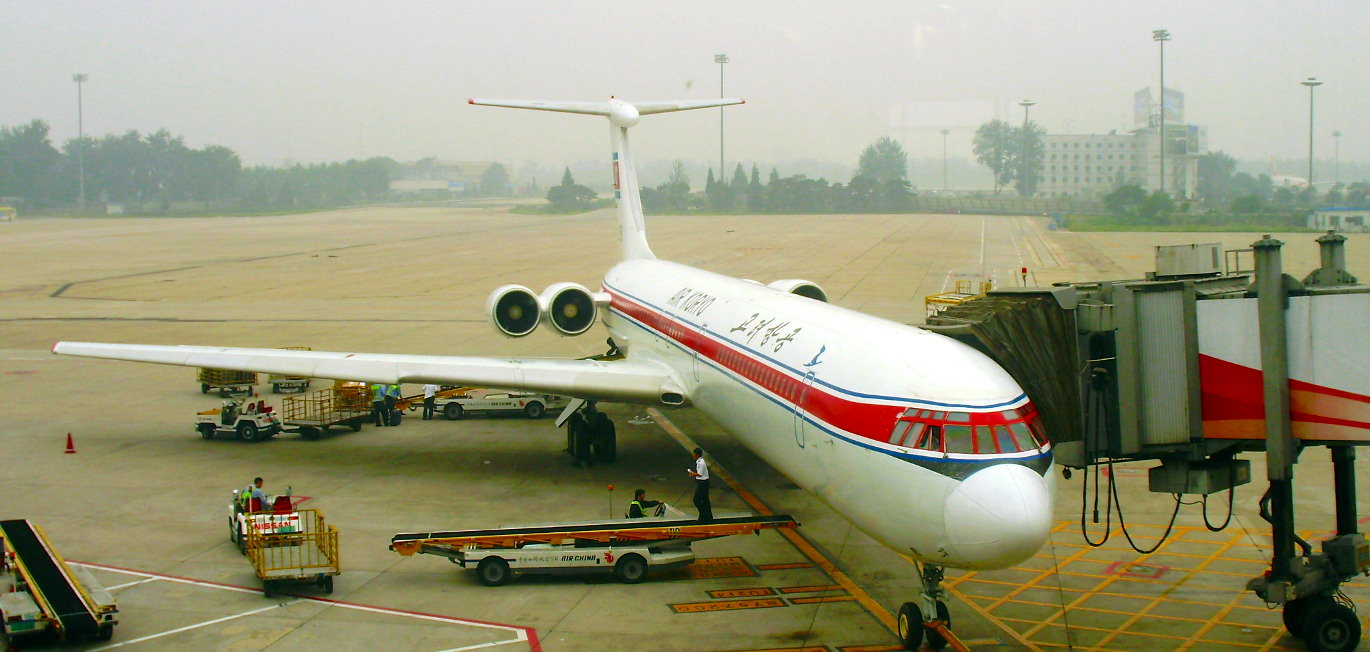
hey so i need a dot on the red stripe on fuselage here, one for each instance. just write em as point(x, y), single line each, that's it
point(873, 421)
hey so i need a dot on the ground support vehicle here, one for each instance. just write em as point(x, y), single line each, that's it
point(628, 548)
point(40, 593)
point(486, 401)
point(249, 422)
point(415, 402)
point(344, 404)
point(282, 384)
point(286, 544)
point(226, 381)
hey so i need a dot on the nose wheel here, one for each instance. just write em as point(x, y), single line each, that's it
point(928, 617)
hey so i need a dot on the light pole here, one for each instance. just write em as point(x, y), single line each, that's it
point(1311, 83)
point(1022, 148)
point(1336, 157)
point(80, 78)
point(1161, 36)
point(944, 159)
point(720, 59)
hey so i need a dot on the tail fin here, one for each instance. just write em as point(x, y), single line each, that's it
point(622, 115)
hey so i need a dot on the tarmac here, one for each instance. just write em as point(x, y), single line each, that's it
point(143, 502)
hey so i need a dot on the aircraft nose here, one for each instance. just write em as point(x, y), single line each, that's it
point(999, 516)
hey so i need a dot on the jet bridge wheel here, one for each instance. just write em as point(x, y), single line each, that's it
point(1330, 626)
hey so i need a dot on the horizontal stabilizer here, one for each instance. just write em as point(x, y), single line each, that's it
point(624, 381)
point(606, 108)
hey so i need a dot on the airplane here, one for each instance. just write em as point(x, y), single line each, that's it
point(919, 440)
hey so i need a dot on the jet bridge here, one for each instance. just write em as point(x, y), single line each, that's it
point(1194, 365)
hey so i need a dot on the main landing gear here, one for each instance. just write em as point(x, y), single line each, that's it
point(928, 616)
point(590, 436)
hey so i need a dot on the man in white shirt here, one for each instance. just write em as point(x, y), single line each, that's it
point(430, 392)
point(701, 476)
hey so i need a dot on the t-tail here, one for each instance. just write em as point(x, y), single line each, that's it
point(622, 115)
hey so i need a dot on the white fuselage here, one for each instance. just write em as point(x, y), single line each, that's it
point(816, 391)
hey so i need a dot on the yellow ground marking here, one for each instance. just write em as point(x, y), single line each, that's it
point(822, 598)
point(797, 540)
point(726, 605)
point(796, 649)
point(801, 564)
point(870, 648)
point(811, 589)
point(742, 593)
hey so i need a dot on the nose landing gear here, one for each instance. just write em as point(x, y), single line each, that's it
point(929, 616)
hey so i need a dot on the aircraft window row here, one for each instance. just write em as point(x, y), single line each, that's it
point(760, 373)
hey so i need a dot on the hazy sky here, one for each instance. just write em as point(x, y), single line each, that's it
point(323, 81)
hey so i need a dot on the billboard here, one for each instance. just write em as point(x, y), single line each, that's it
point(1144, 107)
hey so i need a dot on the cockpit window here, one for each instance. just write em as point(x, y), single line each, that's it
point(931, 439)
point(959, 439)
point(901, 429)
point(1003, 440)
point(958, 417)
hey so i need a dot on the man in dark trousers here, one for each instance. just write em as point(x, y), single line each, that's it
point(701, 476)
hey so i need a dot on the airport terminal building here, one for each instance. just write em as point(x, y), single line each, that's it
point(1089, 166)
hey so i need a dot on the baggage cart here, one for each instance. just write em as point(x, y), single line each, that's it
point(282, 384)
point(295, 545)
point(345, 403)
point(226, 381)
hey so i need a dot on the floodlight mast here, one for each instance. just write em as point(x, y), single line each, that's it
point(621, 115)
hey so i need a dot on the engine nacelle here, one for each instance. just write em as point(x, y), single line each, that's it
point(803, 288)
point(514, 310)
point(569, 307)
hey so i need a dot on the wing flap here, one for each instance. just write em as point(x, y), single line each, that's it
point(627, 381)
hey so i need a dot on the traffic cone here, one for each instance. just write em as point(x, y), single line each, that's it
point(71, 446)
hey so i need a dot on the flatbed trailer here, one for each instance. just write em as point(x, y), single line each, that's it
point(344, 404)
point(629, 548)
point(45, 594)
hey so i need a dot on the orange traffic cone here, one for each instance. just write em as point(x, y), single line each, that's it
point(71, 446)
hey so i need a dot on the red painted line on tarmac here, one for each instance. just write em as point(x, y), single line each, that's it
point(533, 643)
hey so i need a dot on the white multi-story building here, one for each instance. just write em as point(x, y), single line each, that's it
point(1090, 166)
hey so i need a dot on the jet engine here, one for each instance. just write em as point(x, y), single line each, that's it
point(514, 310)
point(801, 287)
point(569, 307)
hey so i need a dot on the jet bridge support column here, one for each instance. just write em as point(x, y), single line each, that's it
point(1279, 455)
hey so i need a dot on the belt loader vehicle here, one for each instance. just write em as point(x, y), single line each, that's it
point(628, 548)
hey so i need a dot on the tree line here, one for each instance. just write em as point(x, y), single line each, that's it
point(880, 185)
point(154, 171)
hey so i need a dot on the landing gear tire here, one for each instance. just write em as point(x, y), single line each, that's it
point(935, 639)
point(206, 430)
point(578, 438)
point(451, 411)
point(910, 626)
point(534, 410)
point(249, 432)
point(1295, 611)
point(1329, 626)
point(493, 571)
point(604, 441)
point(631, 569)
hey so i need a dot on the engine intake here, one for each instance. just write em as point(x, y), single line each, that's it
point(514, 310)
point(570, 308)
point(807, 289)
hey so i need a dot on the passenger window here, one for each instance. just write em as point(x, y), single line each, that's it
point(958, 417)
point(1003, 440)
point(959, 439)
point(931, 439)
point(901, 428)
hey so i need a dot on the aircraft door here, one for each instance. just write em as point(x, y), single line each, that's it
point(800, 426)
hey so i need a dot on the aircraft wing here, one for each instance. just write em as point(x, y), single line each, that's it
point(628, 381)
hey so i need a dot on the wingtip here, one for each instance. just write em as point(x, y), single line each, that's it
point(54, 347)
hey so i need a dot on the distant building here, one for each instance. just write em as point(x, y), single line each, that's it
point(432, 178)
point(1338, 218)
point(1089, 166)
